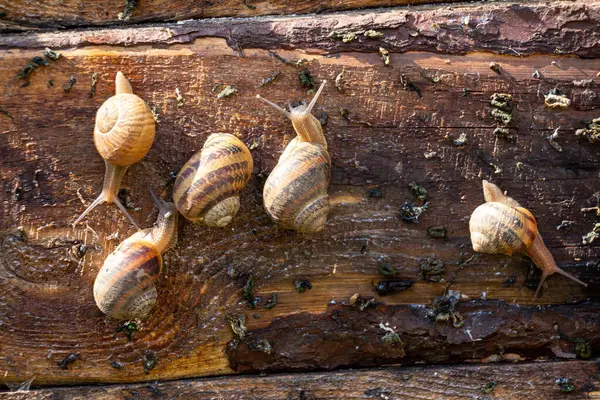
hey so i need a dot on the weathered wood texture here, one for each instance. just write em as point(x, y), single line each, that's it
point(30, 14)
point(51, 170)
point(503, 381)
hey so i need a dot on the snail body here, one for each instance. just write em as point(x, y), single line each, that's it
point(125, 285)
point(502, 226)
point(123, 134)
point(295, 193)
point(207, 187)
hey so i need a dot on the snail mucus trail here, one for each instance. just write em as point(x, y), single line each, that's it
point(295, 193)
point(125, 285)
point(123, 134)
point(502, 226)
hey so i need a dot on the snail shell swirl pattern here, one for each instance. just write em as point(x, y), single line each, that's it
point(124, 287)
point(124, 129)
point(207, 187)
point(295, 194)
point(499, 228)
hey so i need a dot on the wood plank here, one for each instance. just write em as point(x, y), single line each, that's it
point(48, 161)
point(28, 14)
point(502, 381)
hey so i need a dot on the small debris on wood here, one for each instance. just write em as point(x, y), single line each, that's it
point(155, 115)
point(510, 281)
point(297, 63)
point(565, 225)
point(552, 141)
point(323, 118)
point(129, 328)
point(94, 83)
point(410, 212)
point(591, 132)
point(465, 92)
point(249, 6)
point(261, 344)
point(555, 99)
point(179, 98)
point(391, 337)
point(385, 56)
point(51, 54)
point(306, 79)
point(461, 140)
point(227, 92)
point(69, 85)
point(591, 236)
point(361, 302)
point(339, 81)
point(408, 85)
point(584, 82)
point(505, 134)
point(488, 387)
point(129, 8)
point(68, 360)
point(501, 101)
point(431, 269)
point(596, 208)
point(536, 74)
point(431, 78)
point(27, 70)
point(386, 269)
point(150, 361)
point(430, 154)
point(248, 292)
point(272, 302)
point(344, 112)
point(374, 193)
point(565, 385)
point(438, 232)
point(494, 66)
point(344, 37)
point(583, 350)
point(6, 112)
point(302, 285)
point(126, 199)
point(501, 116)
point(3, 14)
point(373, 34)
point(232, 272)
point(238, 325)
point(418, 190)
point(117, 365)
point(444, 308)
point(270, 79)
point(384, 288)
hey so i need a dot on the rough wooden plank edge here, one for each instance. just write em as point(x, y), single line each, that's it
point(23, 15)
point(558, 27)
point(501, 381)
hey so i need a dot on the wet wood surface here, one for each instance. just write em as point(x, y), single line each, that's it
point(402, 123)
point(502, 381)
point(16, 15)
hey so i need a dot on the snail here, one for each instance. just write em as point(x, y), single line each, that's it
point(207, 187)
point(502, 226)
point(123, 135)
point(124, 287)
point(295, 193)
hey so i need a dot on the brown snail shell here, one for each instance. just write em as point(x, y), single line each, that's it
point(502, 226)
point(207, 187)
point(125, 285)
point(295, 193)
point(123, 134)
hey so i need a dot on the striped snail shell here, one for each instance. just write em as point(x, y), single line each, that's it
point(207, 187)
point(295, 193)
point(125, 285)
point(502, 226)
point(123, 134)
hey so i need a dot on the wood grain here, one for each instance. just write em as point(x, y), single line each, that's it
point(50, 168)
point(502, 381)
point(30, 14)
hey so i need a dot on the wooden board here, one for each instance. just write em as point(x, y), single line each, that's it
point(28, 14)
point(502, 381)
point(51, 170)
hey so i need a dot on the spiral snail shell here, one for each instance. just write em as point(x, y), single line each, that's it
point(502, 226)
point(295, 193)
point(207, 187)
point(124, 287)
point(123, 134)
